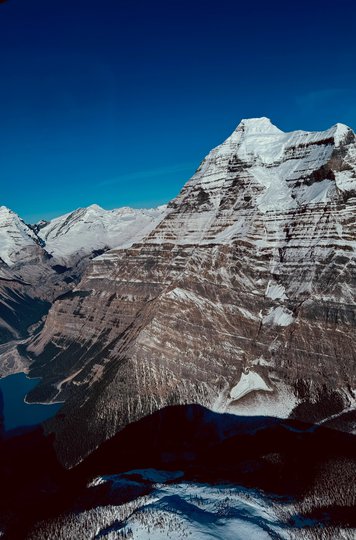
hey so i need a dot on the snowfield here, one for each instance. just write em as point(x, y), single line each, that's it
point(174, 511)
point(249, 382)
point(87, 229)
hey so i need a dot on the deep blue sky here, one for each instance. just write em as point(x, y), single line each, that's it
point(117, 101)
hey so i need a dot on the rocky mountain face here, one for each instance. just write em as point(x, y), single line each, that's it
point(23, 299)
point(242, 299)
point(40, 262)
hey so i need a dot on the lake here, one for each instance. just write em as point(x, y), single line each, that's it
point(16, 412)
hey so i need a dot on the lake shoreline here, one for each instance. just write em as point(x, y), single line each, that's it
point(17, 411)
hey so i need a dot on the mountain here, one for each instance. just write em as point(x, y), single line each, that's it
point(79, 233)
point(23, 263)
point(242, 299)
point(40, 262)
point(18, 242)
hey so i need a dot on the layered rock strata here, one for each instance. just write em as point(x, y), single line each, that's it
point(242, 299)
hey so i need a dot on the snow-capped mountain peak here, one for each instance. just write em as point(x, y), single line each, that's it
point(263, 126)
point(272, 168)
point(257, 125)
point(258, 138)
point(93, 228)
point(77, 234)
point(95, 208)
point(341, 132)
point(16, 238)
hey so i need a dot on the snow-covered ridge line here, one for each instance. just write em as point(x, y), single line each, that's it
point(93, 228)
point(263, 171)
point(76, 234)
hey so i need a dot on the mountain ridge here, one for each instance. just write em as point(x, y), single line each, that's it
point(92, 228)
point(228, 303)
point(16, 234)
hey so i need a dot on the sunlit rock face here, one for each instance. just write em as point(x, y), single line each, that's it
point(242, 299)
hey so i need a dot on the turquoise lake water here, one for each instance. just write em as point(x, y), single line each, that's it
point(16, 412)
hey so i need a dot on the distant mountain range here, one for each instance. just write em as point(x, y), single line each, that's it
point(73, 236)
point(41, 261)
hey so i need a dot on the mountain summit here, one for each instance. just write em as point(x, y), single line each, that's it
point(257, 125)
point(17, 240)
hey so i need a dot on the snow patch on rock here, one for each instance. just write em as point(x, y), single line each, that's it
point(275, 291)
point(279, 403)
point(278, 316)
point(249, 382)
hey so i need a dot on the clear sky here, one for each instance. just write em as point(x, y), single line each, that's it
point(117, 101)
